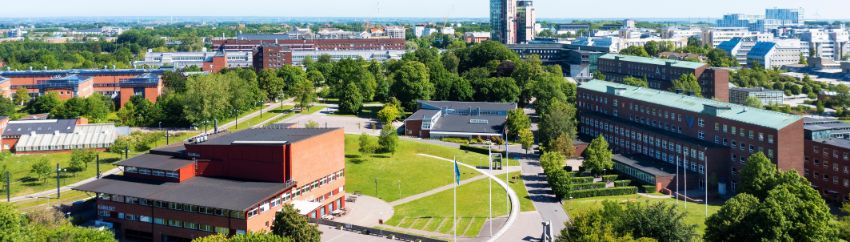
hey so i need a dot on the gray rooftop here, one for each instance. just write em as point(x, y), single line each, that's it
point(470, 124)
point(422, 114)
point(200, 191)
point(815, 124)
point(740, 113)
point(651, 167)
point(156, 161)
point(466, 105)
point(47, 126)
point(843, 143)
point(274, 134)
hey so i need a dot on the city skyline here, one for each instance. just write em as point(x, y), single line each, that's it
point(815, 9)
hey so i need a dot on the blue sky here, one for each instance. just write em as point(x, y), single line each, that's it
point(815, 9)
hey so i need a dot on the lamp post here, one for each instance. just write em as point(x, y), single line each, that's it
point(236, 112)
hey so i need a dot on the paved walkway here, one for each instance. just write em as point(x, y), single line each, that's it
point(539, 192)
point(366, 211)
point(330, 234)
point(449, 186)
point(511, 194)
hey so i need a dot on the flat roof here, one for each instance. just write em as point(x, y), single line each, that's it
point(843, 143)
point(740, 113)
point(654, 61)
point(201, 191)
point(466, 105)
point(651, 167)
point(470, 124)
point(422, 114)
point(156, 161)
point(814, 124)
point(268, 134)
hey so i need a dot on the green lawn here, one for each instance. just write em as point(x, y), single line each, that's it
point(19, 167)
point(244, 124)
point(525, 203)
point(406, 170)
point(370, 112)
point(472, 211)
point(695, 212)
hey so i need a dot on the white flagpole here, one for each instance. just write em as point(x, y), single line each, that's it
point(686, 182)
point(705, 171)
point(490, 192)
point(677, 178)
point(506, 162)
point(454, 217)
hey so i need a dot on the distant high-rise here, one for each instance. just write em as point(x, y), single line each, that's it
point(786, 16)
point(503, 20)
point(526, 20)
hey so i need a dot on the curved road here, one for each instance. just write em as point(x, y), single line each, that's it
point(511, 194)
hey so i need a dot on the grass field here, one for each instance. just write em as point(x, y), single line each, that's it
point(19, 167)
point(413, 173)
point(244, 124)
point(695, 213)
point(434, 213)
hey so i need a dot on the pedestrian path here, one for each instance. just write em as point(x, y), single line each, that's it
point(449, 186)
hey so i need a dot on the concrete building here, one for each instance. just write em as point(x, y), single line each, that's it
point(682, 32)
point(438, 119)
point(578, 62)
point(395, 32)
point(447, 31)
point(831, 44)
point(688, 132)
point(827, 157)
point(120, 84)
point(737, 20)
point(715, 36)
point(526, 20)
point(503, 21)
point(739, 48)
point(786, 16)
point(249, 42)
point(775, 54)
point(661, 73)
point(203, 59)
point(572, 28)
point(223, 184)
point(739, 95)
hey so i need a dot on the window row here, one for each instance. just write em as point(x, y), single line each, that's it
point(173, 206)
point(170, 222)
point(292, 194)
point(151, 172)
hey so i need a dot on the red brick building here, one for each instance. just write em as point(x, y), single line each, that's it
point(660, 73)
point(119, 84)
point(312, 44)
point(231, 184)
point(827, 158)
point(688, 131)
point(267, 56)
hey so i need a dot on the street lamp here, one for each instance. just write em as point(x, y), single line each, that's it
point(236, 112)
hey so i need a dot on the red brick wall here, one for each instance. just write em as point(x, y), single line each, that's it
point(825, 166)
point(218, 63)
point(261, 163)
point(318, 157)
point(412, 127)
point(790, 148)
point(215, 221)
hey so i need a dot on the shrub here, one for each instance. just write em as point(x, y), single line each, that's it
point(648, 188)
point(586, 186)
point(497, 140)
point(609, 178)
point(559, 180)
point(582, 179)
point(476, 149)
point(614, 191)
point(455, 140)
point(622, 183)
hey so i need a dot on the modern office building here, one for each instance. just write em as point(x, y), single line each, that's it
point(206, 60)
point(526, 19)
point(739, 95)
point(232, 183)
point(660, 73)
point(738, 48)
point(775, 54)
point(773, 18)
point(576, 61)
point(832, 44)
point(503, 21)
point(688, 131)
point(120, 84)
point(715, 36)
point(827, 157)
point(737, 20)
point(785, 16)
point(439, 119)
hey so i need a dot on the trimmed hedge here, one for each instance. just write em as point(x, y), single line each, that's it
point(614, 191)
point(622, 183)
point(609, 178)
point(476, 149)
point(582, 179)
point(648, 188)
point(587, 186)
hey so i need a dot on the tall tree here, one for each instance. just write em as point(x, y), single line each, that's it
point(687, 84)
point(388, 139)
point(517, 121)
point(562, 144)
point(352, 100)
point(388, 114)
point(557, 119)
point(634, 81)
point(45, 103)
point(207, 99)
point(271, 84)
point(289, 223)
point(22, 96)
point(411, 83)
point(41, 169)
point(598, 156)
point(304, 93)
point(526, 138)
point(758, 176)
